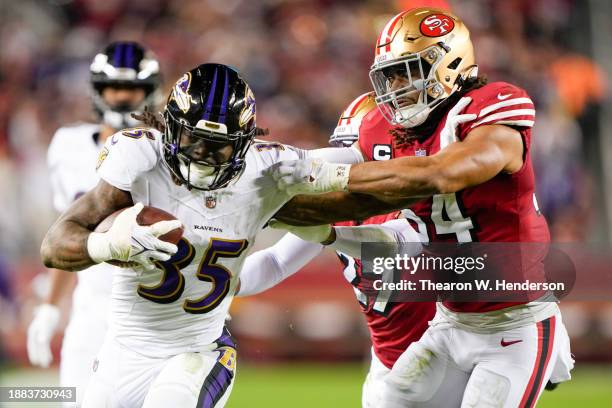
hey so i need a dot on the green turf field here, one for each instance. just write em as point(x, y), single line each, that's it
point(339, 385)
point(298, 386)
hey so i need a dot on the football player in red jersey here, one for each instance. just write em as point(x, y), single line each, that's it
point(472, 184)
point(393, 325)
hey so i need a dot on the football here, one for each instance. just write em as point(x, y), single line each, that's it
point(148, 216)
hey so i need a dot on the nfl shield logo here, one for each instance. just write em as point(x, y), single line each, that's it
point(420, 153)
point(211, 202)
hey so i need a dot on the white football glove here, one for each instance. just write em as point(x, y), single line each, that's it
point(129, 242)
point(310, 176)
point(40, 333)
point(315, 233)
point(448, 134)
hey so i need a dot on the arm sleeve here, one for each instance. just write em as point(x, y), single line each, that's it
point(266, 268)
point(349, 239)
point(272, 152)
point(344, 155)
point(500, 103)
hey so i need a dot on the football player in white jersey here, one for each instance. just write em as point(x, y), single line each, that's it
point(125, 79)
point(167, 345)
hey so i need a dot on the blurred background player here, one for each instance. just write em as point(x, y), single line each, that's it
point(125, 78)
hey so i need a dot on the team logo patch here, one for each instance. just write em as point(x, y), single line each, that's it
point(248, 112)
point(227, 358)
point(509, 343)
point(180, 93)
point(211, 202)
point(436, 25)
point(101, 157)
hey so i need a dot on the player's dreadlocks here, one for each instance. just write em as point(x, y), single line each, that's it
point(151, 119)
point(406, 136)
point(156, 121)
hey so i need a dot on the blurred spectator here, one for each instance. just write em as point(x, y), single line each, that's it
point(305, 60)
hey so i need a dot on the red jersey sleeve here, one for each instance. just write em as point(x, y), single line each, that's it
point(499, 103)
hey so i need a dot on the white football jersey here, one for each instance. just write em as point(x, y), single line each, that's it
point(72, 158)
point(182, 305)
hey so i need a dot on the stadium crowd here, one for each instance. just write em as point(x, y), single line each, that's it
point(305, 60)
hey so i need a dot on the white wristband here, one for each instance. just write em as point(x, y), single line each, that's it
point(339, 178)
point(98, 248)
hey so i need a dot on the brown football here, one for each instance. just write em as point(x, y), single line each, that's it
point(148, 216)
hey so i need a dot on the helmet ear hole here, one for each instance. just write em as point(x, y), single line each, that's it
point(455, 63)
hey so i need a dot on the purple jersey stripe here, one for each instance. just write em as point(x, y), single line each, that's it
point(219, 378)
point(225, 339)
point(215, 385)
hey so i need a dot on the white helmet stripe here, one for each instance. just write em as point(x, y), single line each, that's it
point(352, 108)
point(385, 34)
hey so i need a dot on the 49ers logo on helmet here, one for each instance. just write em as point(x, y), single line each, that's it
point(437, 25)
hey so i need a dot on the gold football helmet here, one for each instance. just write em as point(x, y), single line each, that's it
point(347, 131)
point(431, 51)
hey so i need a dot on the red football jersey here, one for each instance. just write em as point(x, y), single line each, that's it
point(503, 209)
point(393, 325)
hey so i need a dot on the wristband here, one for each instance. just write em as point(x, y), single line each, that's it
point(97, 247)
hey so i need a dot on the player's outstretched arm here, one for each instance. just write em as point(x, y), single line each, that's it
point(332, 207)
point(485, 152)
point(268, 267)
point(65, 245)
point(348, 239)
point(347, 155)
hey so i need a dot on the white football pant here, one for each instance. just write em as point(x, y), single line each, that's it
point(124, 378)
point(506, 369)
